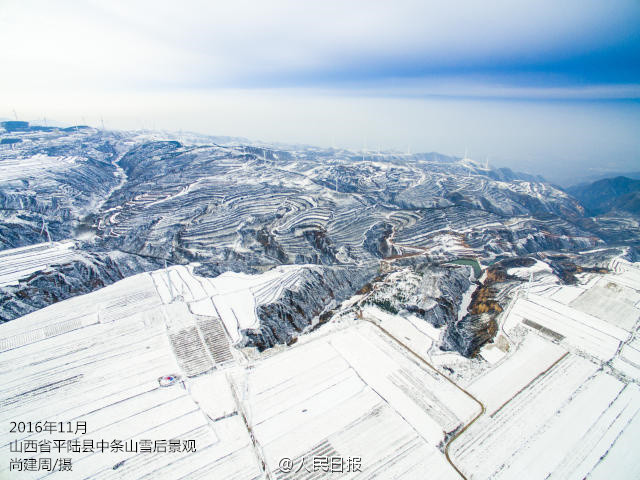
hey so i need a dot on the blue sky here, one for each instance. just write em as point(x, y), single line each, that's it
point(441, 76)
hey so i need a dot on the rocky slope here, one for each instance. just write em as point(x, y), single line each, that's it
point(319, 290)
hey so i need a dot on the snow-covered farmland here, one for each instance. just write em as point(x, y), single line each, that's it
point(359, 394)
point(610, 300)
point(34, 166)
point(18, 263)
point(98, 358)
point(564, 398)
point(560, 393)
point(585, 332)
point(233, 297)
point(72, 362)
point(124, 298)
point(596, 318)
point(506, 380)
point(153, 357)
point(560, 427)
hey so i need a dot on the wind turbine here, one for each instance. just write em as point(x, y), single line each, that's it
point(364, 149)
point(45, 229)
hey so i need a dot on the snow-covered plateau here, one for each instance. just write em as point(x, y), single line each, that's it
point(243, 311)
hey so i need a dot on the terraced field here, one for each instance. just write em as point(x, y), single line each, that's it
point(143, 200)
point(287, 302)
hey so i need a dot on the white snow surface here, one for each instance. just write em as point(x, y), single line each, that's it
point(17, 263)
point(561, 402)
point(233, 297)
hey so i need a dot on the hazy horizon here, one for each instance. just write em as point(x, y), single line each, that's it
point(543, 88)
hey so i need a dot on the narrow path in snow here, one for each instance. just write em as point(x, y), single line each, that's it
point(480, 404)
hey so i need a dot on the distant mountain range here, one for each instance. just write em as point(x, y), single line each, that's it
point(620, 194)
point(583, 180)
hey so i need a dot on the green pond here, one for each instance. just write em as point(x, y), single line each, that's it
point(477, 270)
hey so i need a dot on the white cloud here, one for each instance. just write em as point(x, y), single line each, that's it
point(155, 44)
point(310, 71)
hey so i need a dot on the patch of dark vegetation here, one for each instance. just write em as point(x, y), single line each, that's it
point(483, 300)
point(567, 270)
point(567, 266)
point(385, 305)
point(514, 262)
point(323, 318)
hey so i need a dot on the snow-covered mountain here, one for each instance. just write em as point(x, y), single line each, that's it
point(126, 202)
